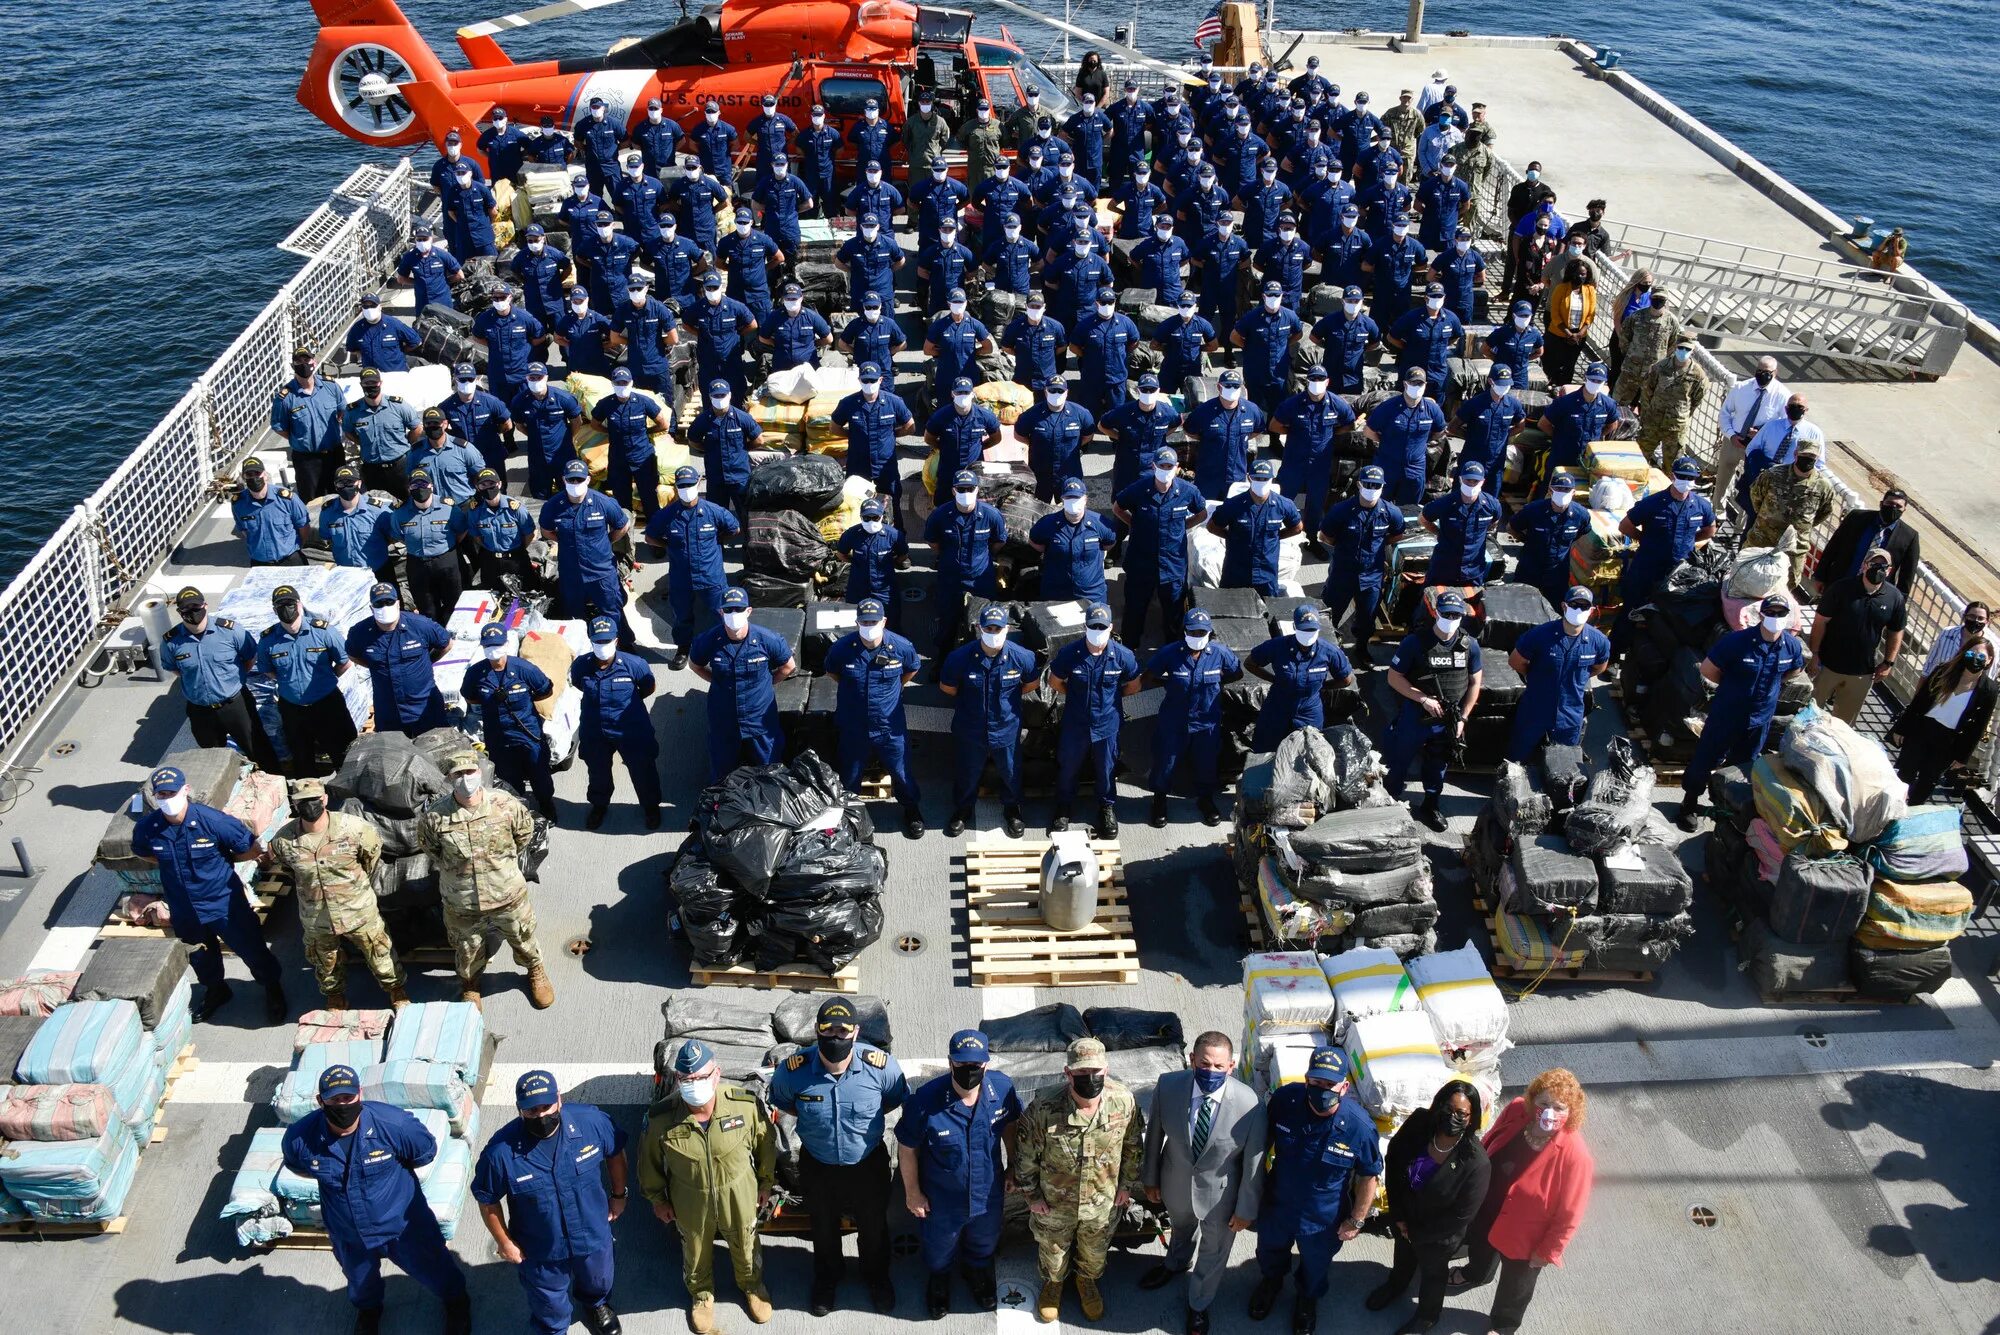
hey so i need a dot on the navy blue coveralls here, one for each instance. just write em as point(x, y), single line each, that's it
point(986, 720)
point(204, 897)
point(1054, 437)
point(964, 544)
point(1462, 529)
point(1298, 676)
point(693, 536)
point(1358, 541)
point(1073, 555)
point(1405, 430)
point(725, 441)
point(742, 706)
point(1668, 525)
point(1190, 720)
point(628, 423)
point(586, 573)
point(1222, 443)
point(1092, 715)
point(1251, 529)
point(1558, 681)
point(505, 698)
point(1306, 471)
point(544, 420)
point(871, 569)
point(1305, 1189)
point(1156, 552)
point(959, 1167)
point(1141, 431)
point(615, 721)
point(1546, 536)
point(1487, 423)
point(399, 660)
point(1740, 712)
point(558, 1209)
point(871, 439)
point(1426, 661)
point(870, 709)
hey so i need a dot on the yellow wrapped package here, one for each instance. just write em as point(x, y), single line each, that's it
point(848, 513)
point(817, 422)
point(1914, 917)
point(1525, 944)
point(587, 388)
point(1597, 557)
point(1622, 459)
point(1792, 810)
point(781, 421)
point(596, 454)
point(1007, 399)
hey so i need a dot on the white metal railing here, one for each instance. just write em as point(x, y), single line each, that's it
point(56, 613)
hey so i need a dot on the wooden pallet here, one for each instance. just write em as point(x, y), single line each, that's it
point(793, 977)
point(1572, 974)
point(34, 1228)
point(1845, 995)
point(265, 895)
point(183, 1064)
point(1007, 941)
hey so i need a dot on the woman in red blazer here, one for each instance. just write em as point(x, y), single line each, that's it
point(1541, 1181)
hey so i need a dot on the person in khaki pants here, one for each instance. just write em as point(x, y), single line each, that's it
point(1856, 636)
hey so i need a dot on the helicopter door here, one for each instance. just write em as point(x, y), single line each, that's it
point(1001, 91)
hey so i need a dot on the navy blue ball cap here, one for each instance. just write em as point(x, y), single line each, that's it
point(1451, 603)
point(967, 1047)
point(735, 600)
point(1687, 468)
point(492, 635)
point(686, 476)
point(339, 1079)
point(536, 1089)
point(603, 630)
point(993, 617)
point(576, 470)
point(1197, 622)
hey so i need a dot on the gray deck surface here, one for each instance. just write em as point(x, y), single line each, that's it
point(1844, 1150)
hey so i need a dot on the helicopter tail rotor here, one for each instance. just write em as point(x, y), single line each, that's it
point(364, 77)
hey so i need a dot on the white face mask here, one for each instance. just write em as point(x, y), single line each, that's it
point(1461, 246)
point(793, 305)
point(1370, 495)
point(711, 116)
point(452, 151)
point(1272, 303)
point(385, 616)
point(1073, 506)
point(1081, 247)
point(537, 247)
point(606, 651)
point(818, 118)
point(1683, 485)
point(538, 386)
point(992, 639)
point(872, 114)
point(743, 229)
point(871, 632)
point(1288, 234)
point(1107, 308)
point(719, 402)
point(372, 314)
point(654, 115)
point(1561, 499)
point(713, 295)
point(688, 495)
point(174, 804)
point(1097, 639)
point(581, 189)
point(1350, 308)
point(1469, 491)
point(962, 402)
point(1306, 638)
point(634, 170)
point(736, 620)
point(638, 299)
point(871, 389)
point(870, 233)
point(871, 526)
point(1413, 392)
point(1591, 390)
point(597, 113)
point(1448, 626)
point(1148, 397)
point(1433, 303)
point(465, 785)
point(622, 391)
point(1035, 314)
point(500, 123)
point(1576, 616)
point(957, 307)
point(873, 316)
point(780, 170)
point(1163, 476)
point(496, 654)
point(1058, 400)
point(698, 1093)
point(575, 490)
point(1195, 642)
point(1316, 388)
point(604, 234)
point(1522, 321)
point(1163, 234)
point(465, 387)
point(1230, 395)
point(1400, 230)
point(579, 306)
point(1772, 625)
point(1260, 489)
point(965, 500)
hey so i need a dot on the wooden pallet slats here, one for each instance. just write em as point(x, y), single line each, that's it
point(792, 977)
point(1007, 941)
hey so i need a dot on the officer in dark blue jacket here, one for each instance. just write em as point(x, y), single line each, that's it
point(648, 330)
point(1463, 520)
point(584, 335)
point(629, 419)
point(1669, 525)
point(872, 665)
point(1515, 342)
point(1103, 340)
point(505, 145)
point(365, 1157)
point(1251, 524)
point(963, 535)
point(1358, 533)
point(1556, 661)
point(560, 1168)
point(1486, 422)
point(874, 551)
point(1157, 512)
point(308, 657)
point(597, 137)
point(954, 343)
point(479, 418)
point(1300, 667)
point(1182, 339)
point(1462, 271)
point(1093, 675)
point(870, 136)
point(1393, 265)
point(1749, 669)
point(873, 416)
point(871, 258)
point(638, 195)
point(795, 335)
point(817, 144)
point(308, 413)
point(398, 650)
point(873, 338)
point(1402, 429)
point(1010, 256)
point(725, 435)
point(690, 532)
point(1073, 542)
point(1037, 341)
point(1579, 417)
point(741, 663)
point(655, 137)
point(1055, 432)
point(781, 197)
point(1428, 336)
point(616, 686)
point(725, 330)
point(1223, 428)
point(1193, 669)
point(545, 413)
point(509, 336)
point(1326, 1166)
point(1138, 428)
point(211, 655)
point(428, 268)
point(674, 257)
point(271, 521)
point(495, 530)
point(961, 431)
point(714, 139)
point(610, 256)
point(584, 525)
point(196, 848)
point(943, 267)
point(985, 679)
point(1267, 336)
point(1437, 669)
point(1548, 528)
point(1305, 425)
point(379, 339)
point(503, 688)
point(749, 257)
point(949, 1143)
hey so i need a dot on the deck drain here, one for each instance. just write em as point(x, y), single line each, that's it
point(910, 943)
point(1013, 1295)
point(578, 946)
point(1815, 1038)
point(903, 1244)
point(1701, 1216)
point(63, 749)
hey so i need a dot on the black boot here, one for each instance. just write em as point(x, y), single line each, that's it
point(678, 661)
point(1427, 812)
point(1107, 822)
point(956, 825)
point(1060, 821)
point(1209, 815)
point(1265, 1296)
point(652, 818)
point(276, 1009)
point(213, 999)
point(985, 1292)
point(598, 812)
point(458, 1316)
point(367, 1321)
point(937, 1294)
point(913, 823)
point(1010, 820)
point(1305, 1315)
point(1689, 813)
point(1156, 816)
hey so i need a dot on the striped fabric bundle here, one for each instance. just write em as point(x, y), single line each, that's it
point(448, 1032)
point(1290, 918)
point(138, 1096)
point(1793, 810)
point(445, 1187)
point(83, 1043)
point(338, 1026)
point(1526, 944)
point(1769, 852)
point(37, 992)
point(414, 1085)
point(1927, 844)
point(56, 1112)
point(1396, 1063)
point(11, 1210)
point(1914, 917)
point(71, 1181)
point(250, 1192)
point(1465, 1006)
point(176, 1025)
point(1366, 981)
point(298, 1092)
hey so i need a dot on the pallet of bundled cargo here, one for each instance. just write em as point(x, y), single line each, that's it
point(785, 977)
point(1009, 944)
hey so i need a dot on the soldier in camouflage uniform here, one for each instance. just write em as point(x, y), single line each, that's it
point(1799, 498)
point(1673, 388)
point(980, 138)
point(708, 1161)
point(1405, 125)
point(1476, 165)
point(1079, 1151)
point(476, 838)
point(1647, 337)
point(330, 859)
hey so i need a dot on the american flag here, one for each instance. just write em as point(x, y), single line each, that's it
point(1210, 28)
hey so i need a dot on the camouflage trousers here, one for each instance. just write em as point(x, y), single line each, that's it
point(1663, 440)
point(468, 932)
point(329, 967)
point(1056, 1233)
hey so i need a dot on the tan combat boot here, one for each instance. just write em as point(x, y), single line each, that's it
point(541, 992)
point(758, 1303)
point(1092, 1300)
point(398, 998)
point(468, 990)
point(1048, 1304)
point(336, 1001)
point(701, 1315)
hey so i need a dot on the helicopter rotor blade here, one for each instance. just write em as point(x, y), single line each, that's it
point(1132, 54)
point(524, 18)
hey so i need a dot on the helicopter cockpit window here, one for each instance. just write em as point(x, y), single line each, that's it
point(1000, 91)
point(1054, 100)
point(845, 95)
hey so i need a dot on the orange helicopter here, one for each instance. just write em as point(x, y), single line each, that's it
point(375, 79)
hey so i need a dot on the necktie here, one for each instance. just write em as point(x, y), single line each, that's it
point(1203, 1120)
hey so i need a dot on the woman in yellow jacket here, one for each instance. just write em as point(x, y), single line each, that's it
point(1571, 308)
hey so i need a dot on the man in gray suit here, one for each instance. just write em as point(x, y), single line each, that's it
point(1205, 1161)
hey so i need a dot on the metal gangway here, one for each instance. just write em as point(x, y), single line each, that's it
point(1799, 302)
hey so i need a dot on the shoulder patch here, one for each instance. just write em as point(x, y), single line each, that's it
point(320, 623)
point(513, 502)
point(284, 493)
point(876, 1057)
point(225, 623)
point(795, 1061)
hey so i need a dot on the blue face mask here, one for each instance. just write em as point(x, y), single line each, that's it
point(1209, 1081)
point(1322, 1100)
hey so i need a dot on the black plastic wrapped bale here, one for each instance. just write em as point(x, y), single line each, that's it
point(1021, 510)
point(1518, 803)
point(419, 927)
point(703, 1015)
point(1357, 765)
point(1366, 889)
point(775, 590)
point(1616, 803)
point(1242, 603)
point(1050, 1028)
point(399, 833)
point(1688, 618)
point(1242, 700)
point(1339, 703)
point(1001, 307)
point(143, 970)
point(787, 623)
point(1362, 840)
point(1486, 739)
point(1049, 626)
point(1132, 300)
point(1632, 941)
point(825, 935)
point(1240, 635)
point(1645, 879)
point(1511, 611)
point(1486, 849)
point(808, 484)
point(1125, 1028)
point(1563, 774)
point(1041, 706)
point(820, 866)
point(796, 1019)
point(1734, 797)
point(705, 908)
point(1793, 696)
point(785, 543)
point(818, 729)
point(386, 771)
point(16, 1032)
point(1404, 945)
point(782, 795)
point(441, 745)
point(825, 624)
point(406, 884)
point(1413, 919)
point(1777, 966)
point(1896, 975)
point(1731, 870)
point(1549, 878)
point(791, 696)
point(1819, 900)
point(1500, 687)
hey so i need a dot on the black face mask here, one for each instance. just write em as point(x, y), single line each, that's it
point(253, 481)
point(1975, 628)
point(967, 1077)
point(347, 491)
point(309, 808)
point(541, 1128)
point(420, 494)
point(488, 493)
point(1795, 411)
point(1455, 1122)
point(193, 615)
point(340, 1116)
point(835, 1050)
point(287, 611)
point(1892, 514)
point(1087, 1084)
point(1763, 377)
point(1876, 571)
point(434, 432)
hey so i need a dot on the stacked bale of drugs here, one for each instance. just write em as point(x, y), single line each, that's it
point(786, 499)
point(1288, 1010)
point(1368, 862)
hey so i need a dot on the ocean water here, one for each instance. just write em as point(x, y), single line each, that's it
point(159, 154)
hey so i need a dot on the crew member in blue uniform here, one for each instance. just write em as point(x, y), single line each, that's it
point(871, 337)
point(1219, 256)
point(379, 339)
point(545, 413)
point(841, 1091)
point(1300, 667)
point(1394, 264)
point(674, 258)
point(1515, 342)
point(1157, 512)
point(584, 524)
point(638, 195)
point(1222, 429)
point(872, 665)
point(1556, 661)
point(871, 136)
point(781, 197)
point(725, 435)
point(963, 535)
point(1285, 259)
point(1438, 671)
point(428, 268)
point(584, 335)
point(1428, 336)
point(1073, 279)
point(1669, 525)
point(308, 412)
point(1548, 528)
point(1162, 259)
point(1093, 675)
point(949, 1143)
point(469, 208)
point(795, 335)
point(1347, 250)
point(1055, 432)
point(451, 462)
point(1138, 428)
point(1182, 339)
point(616, 686)
point(985, 679)
point(714, 139)
point(871, 258)
point(1073, 542)
point(873, 417)
point(1010, 257)
point(308, 657)
point(553, 148)
point(655, 137)
point(1251, 524)
point(354, 528)
point(365, 1158)
point(210, 655)
point(480, 418)
point(1402, 430)
point(1461, 270)
point(1086, 129)
point(271, 521)
point(954, 343)
point(749, 257)
point(1486, 422)
point(689, 532)
point(945, 263)
point(741, 663)
point(495, 531)
point(423, 525)
point(697, 200)
point(961, 431)
point(504, 688)
point(725, 330)
point(874, 551)
point(648, 330)
point(629, 419)
point(1193, 669)
point(1463, 519)
point(505, 145)
point(1579, 417)
point(1749, 669)
point(1263, 201)
point(1037, 341)
point(196, 848)
point(1103, 340)
point(561, 1171)
point(817, 143)
point(398, 650)
point(597, 137)
point(1267, 336)
point(1325, 1168)
point(1305, 426)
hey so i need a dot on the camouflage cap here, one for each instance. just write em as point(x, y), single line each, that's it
point(299, 788)
point(1085, 1054)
